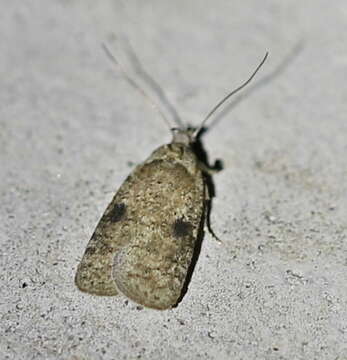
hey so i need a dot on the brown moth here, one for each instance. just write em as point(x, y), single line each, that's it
point(144, 243)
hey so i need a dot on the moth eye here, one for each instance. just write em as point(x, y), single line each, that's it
point(182, 228)
point(117, 213)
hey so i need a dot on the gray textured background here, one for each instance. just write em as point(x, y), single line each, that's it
point(71, 129)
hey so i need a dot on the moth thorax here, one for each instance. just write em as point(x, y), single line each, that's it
point(182, 136)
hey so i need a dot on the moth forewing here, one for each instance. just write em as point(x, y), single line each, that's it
point(144, 242)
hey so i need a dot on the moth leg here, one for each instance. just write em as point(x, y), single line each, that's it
point(208, 169)
point(208, 206)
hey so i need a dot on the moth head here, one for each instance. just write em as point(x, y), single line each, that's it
point(181, 136)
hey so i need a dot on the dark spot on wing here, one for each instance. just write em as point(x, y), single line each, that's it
point(182, 228)
point(117, 213)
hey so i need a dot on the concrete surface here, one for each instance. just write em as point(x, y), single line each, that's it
point(71, 129)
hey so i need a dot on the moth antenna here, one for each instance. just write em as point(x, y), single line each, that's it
point(221, 102)
point(134, 84)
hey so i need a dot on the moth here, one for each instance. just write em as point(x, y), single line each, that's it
point(143, 244)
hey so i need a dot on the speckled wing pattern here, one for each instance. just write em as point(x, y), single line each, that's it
point(144, 242)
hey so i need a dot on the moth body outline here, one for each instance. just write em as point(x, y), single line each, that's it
point(145, 242)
